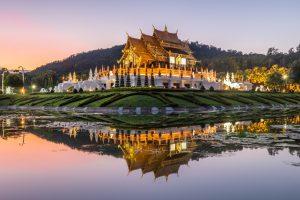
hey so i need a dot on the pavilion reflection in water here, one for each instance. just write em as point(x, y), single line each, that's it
point(161, 151)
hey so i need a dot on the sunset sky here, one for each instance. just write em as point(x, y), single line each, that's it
point(35, 32)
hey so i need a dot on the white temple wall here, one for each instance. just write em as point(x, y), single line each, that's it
point(160, 81)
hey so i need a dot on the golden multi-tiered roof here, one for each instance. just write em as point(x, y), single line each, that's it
point(162, 47)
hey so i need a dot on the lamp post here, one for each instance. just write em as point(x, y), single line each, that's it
point(285, 77)
point(23, 78)
point(3, 74)
point(33, 88)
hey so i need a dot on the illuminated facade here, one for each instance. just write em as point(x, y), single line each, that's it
point(158, 60)
point(161, 47)
point(230, 82)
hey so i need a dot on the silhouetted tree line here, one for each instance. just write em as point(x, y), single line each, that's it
point(231, 60)
point(208, 56)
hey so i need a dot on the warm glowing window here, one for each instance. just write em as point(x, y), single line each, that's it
point(172, 60)
point(183, 61)
point(172, 147)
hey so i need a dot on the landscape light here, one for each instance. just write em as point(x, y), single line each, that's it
point(285, 77)
point(22, 91)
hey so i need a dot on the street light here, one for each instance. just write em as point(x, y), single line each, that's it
point(33, 88)
point(23, 91)
point(285, 78)
point(3, 73)
point(23, 77)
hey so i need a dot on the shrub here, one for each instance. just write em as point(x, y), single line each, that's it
point(75, 91)
point(80, 90)
point(211, 88)
point(122, 83)
point(128, 81)
point(152, 81)
point(117, 84)
point(139, 82)
point(146, 79)
point(202, 88)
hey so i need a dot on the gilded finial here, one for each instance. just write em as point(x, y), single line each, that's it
point(153, 27)
point(166, 28)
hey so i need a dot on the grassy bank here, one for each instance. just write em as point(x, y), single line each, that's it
point(150, 98)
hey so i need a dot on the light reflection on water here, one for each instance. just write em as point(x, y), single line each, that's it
point(46, 159)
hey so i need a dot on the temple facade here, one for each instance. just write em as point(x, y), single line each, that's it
point(161, 47)
point(162, 77)
point(157, 60)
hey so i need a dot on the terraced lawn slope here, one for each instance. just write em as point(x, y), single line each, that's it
point(150, 98)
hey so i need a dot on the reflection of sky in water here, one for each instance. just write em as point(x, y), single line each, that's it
point(47, 169)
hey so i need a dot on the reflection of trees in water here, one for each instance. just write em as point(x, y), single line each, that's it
point(209, 149)
point(82, 141)
point(273, 151)
point(263, 125)
point(294, 151)
point(259, 127)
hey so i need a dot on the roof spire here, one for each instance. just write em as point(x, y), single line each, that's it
point(141, 31)
point(153, 27)
point(166, 28)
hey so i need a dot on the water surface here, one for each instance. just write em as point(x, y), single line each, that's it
point(49, 157)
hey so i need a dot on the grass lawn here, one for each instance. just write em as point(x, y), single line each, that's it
point(137, 101)
point(150, 98)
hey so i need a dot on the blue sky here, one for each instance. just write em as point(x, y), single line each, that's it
point(37, 32)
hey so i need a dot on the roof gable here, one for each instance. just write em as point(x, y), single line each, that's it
point(167, 36)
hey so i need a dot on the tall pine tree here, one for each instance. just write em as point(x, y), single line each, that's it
point(139, 81)
point(117, 84)
point(122, 83)
point(146, 79)
point(152, 79)
point(128, 82)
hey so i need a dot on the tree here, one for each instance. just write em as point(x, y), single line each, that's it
point(14, 80)
point(270, 55)
point(146, 80)
point(274, 81)
point(291, 51)
point(152, 81)
point(295, 72)
point(211, 88)
point(139, 81)
point(44, 79)
point(202, 88)
point(298, 48)
point(122, 84)
point(128, 81)
point(117, 84)
point(257, 75)
point(272, 51)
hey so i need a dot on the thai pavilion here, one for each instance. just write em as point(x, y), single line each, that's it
point(162, 47)
point(157, 60)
